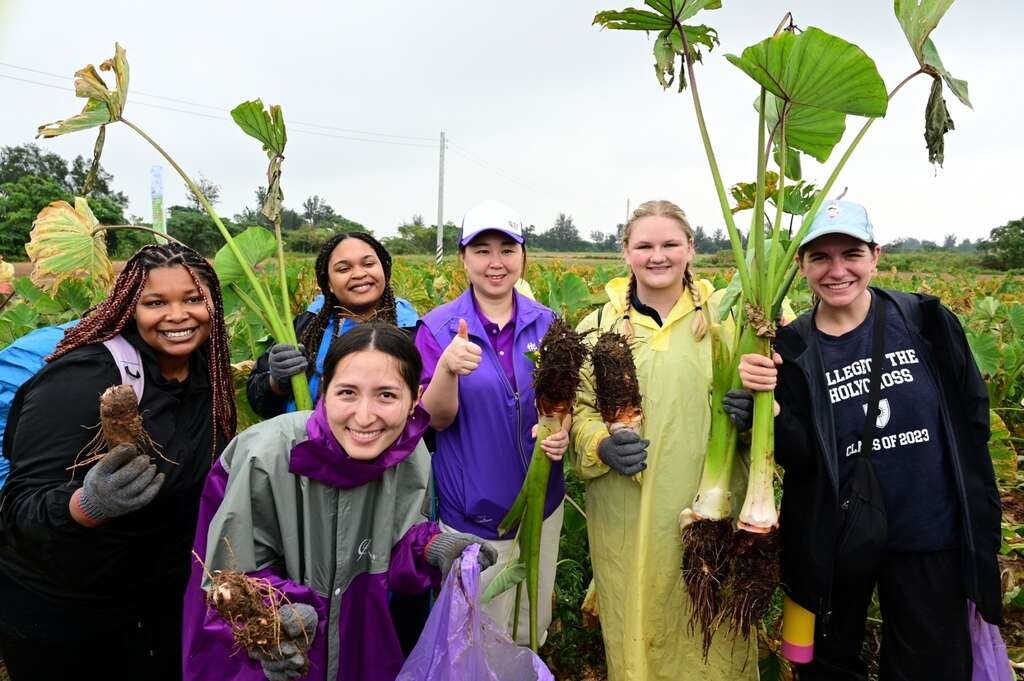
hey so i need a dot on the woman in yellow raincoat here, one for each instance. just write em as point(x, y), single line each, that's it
point(643, 605)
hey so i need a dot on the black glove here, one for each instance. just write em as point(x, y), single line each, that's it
point(624, 451)
point(447, 546)
point(286, 361)
point(739, 405)
point(122, 482)
point(298, 624)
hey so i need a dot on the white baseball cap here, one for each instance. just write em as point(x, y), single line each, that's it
point(489, 215)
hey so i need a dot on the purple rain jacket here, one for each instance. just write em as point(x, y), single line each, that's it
point(284, 502)
point(481, 458)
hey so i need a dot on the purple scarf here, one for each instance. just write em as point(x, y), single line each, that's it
point(322, 458)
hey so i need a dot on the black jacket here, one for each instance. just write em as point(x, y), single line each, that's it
point(262, 398)
point(52, 419)
point(805, 448)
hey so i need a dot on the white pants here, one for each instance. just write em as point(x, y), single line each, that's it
point(501, 608)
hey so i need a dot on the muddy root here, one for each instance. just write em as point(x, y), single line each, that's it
point(754, 576)
point(251, 607)
point(706, 552)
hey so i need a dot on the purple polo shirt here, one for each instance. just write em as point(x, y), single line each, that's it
point(501, 339)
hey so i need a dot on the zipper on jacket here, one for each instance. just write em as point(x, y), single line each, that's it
point(954, 455)
point(515, 396)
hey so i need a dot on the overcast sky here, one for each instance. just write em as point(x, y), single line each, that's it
point(544, 111)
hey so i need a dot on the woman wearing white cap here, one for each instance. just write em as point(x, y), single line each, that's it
point(934, 482)
point(479, 394)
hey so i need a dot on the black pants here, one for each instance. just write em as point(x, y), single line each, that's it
point(925, 635)
point(43, 641)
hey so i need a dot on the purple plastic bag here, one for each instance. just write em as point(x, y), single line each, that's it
point(460, 642)
point(991, 662)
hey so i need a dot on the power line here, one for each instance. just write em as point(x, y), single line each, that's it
point(225, 116)
point(211, 107)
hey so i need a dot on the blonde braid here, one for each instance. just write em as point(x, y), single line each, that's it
point(627, 325)
point(699, 325)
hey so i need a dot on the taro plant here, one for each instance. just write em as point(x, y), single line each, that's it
point(555, 380)
point(809, 82)
point(67, 241)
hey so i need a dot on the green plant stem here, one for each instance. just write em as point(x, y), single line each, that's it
point(250, 303)
point(758, 513)
point(572, 502)
point(137, 228)
point(716, 175)
point(530, 505)
point(776, 249)
point(808, 218)
point(756, 235)
point(713, 500)
point(300, 386)
point(280, 329)
point(277, 328)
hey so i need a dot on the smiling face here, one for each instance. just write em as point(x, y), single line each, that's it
point(172, 317)
point(839, 268)
point(356, 275)
point(368, 403)
point(658, 251)
point(494, 263)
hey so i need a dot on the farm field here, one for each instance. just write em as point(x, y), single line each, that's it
point(990, 305)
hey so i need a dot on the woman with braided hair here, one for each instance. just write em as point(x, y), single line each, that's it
point(664, 310)
point(94, 558)
point(353, 271)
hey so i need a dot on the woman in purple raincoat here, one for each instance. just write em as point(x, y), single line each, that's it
point(329, 507)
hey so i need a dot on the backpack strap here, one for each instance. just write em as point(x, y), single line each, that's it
point(129, 363)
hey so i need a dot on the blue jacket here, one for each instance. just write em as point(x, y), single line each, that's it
point(481, 458)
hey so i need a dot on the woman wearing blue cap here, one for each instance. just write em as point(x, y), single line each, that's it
point(935, 486)
point(478, 391)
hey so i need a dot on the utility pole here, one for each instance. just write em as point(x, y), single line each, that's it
point(440, 206)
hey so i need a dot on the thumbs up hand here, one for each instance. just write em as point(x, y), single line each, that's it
point(462, 356)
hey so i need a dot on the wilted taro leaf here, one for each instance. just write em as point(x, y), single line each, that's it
point(918, 18)
point(102, 105)
point(62, 246)
point(6, 278)
point(937, 122)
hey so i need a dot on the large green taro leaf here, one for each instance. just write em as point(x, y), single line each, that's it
point(812, 130)
point(256, 243)
point(816, 69)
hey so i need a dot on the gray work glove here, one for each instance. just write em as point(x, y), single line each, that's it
point(447, 546)
point(123, 481)
point(624, 451)
point(739, 405)
point(286, 361)
point(298, 624)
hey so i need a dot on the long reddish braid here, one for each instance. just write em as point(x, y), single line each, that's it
point(110, 317)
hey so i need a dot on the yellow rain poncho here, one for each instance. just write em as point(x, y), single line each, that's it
point(674, 372)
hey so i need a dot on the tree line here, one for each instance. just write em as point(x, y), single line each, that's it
point(31, 178)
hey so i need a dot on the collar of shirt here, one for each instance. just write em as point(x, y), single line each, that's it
point(501, 339)
point(637, 305)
